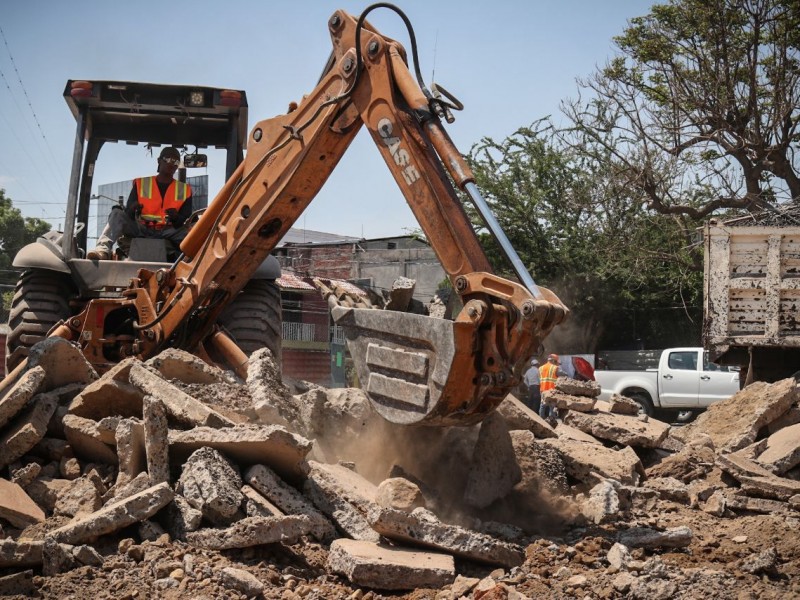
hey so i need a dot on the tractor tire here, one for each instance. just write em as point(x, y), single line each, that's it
point(41, 299)
point(253, 318)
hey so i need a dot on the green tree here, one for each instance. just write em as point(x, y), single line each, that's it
point(15, 232)
point(622, 270)
point(700, 112)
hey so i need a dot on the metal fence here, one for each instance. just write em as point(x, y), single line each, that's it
point(309, 332)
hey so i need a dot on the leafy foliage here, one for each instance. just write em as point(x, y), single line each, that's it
point(15, 232)
point(700, 112)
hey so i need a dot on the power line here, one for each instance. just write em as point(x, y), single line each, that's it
point(30, 105)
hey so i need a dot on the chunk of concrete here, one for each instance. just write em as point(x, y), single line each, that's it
point(182, 517)
point(242, 581)
point(24, 475)
point(156, 443)
point(494, 470)
point(421, 527)
point(212, 485)
point(272, 445)
point(758, 505)
point(87, 441)
point(86, 555)
point(27, 429)
point(255, 505)
point(669, 488)
point(29, 384)
point(180, 405)
point(344, 496)
point(542, 467)
point(625, 430)
point(585, 462)
point(573, 387)
point(21, 553)
point(62, 361)
point(645, 537)
point(18, 584)
point(45, 490)
point(16, 506)
point(756, 480)
point(564, 401)
point(270, 396)
point(735, 422)
point(619, 556)
point(111, 395)
point(80, 498)
point(130, 450)
point(366, 564)
point(57, 558)
point(565, 432)
point(782, 450)
point(173, 363)
point(603, 504)
point(116, 515)
point(622, 405)
point(400, 494)
point(289, 500)
point(519, 416)
point(252, 531)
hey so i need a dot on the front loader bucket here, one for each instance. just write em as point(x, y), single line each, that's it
point(405, 364)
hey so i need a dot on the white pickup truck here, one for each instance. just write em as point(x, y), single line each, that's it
point(684, 383)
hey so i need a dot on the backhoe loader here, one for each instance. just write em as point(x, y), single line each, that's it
point(415, 369)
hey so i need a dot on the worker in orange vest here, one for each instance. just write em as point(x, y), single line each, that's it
point(549, 372)
point(157, 207)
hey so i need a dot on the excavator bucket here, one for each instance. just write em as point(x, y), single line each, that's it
point(403, 361)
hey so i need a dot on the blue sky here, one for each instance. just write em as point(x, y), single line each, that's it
point(510, 62)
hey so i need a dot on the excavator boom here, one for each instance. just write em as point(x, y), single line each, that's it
point(416, 369)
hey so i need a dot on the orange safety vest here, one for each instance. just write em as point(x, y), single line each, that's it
point(548, 374)
point(154, 207)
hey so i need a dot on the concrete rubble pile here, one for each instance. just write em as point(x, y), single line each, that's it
point(97, 469)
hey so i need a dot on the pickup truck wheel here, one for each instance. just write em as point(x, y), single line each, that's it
point(41, 299)
point(645, 405)
point(253, 318)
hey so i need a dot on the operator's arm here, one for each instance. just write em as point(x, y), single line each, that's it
point(133, 202)
point(184, 212)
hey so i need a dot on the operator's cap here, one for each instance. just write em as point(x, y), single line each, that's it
point(169, 152)
point(553, 357)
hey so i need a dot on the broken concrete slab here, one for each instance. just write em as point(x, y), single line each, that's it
point(735, 422)
point(629, 431)
point(87, 441)
point(289, 500)
point(573, 387)
point(130, 450)
point(585, 462)
point(494, 470)
point(645, 537)
point(383, 567)
point(57, 558)
point(669, 488)
point(111, 395)
point(180, 405)
point(174, 363)
point(602, 504)
point(755, 479)
point(30, 383)
point(156, 443)
point(45, 490)
point(519, 416)
point(212, 485)
point(116, 515)
point(565, 432)
point(24, 475)
point(27, 429)
point(271, 398)
point(22, 553)
point(758, 505)
point(182, 517)
point(782, 450)
point(252, 531)
point(564, 401)
point(421, 527)
point(272, 445)
point(17, 507)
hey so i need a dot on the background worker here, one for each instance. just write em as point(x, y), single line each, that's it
point(533, 395)
point(549, 372)
point(157, 207)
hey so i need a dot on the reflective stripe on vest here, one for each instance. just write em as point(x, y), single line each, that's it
point(548, 374)
point(154, 207)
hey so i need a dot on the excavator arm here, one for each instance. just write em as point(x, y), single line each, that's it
point(416, 369)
